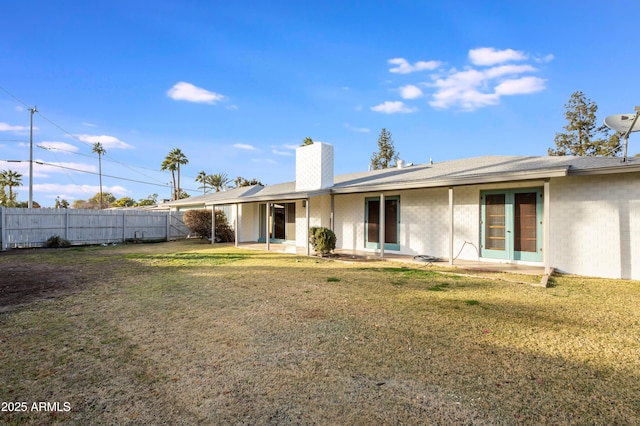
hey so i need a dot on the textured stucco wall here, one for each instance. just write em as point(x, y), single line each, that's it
point(595, 225)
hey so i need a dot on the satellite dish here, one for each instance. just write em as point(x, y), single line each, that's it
point(622, 123)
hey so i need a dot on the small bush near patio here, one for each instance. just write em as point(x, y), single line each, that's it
point(199, 222)
point(181, 333)
point(323, 240)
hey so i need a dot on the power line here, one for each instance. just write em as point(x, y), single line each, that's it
point(42, 163)
point(14, 97)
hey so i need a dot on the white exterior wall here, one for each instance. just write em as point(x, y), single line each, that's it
point(319, 215)
point(595, 225)
point(424, 223)
point(249, 226)
point(349, 218)
point(466, 223)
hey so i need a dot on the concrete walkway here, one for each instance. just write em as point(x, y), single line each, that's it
point(357, 255)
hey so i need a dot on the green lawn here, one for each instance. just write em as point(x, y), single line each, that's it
point(187, 333)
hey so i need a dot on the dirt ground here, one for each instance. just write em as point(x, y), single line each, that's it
point(23, 282)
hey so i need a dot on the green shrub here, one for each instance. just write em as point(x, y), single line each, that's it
point(199, 222)
point(322, 239)
point(56, 241)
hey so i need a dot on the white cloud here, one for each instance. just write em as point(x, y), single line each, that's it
point(506, 70)
point(183, 91)
point(73, 191)
point(472, 88)
point(520, 86)
point(108, 142)
point(290, 146)
point(57, 146)
point(4, 127)
point(19, 108)
point(410, 92)
point(285, 153)
point(244, 146)
point(232, 107)
point(544, 59)
point(491, 56)
point(404, 67)
point(393, 108)
point(357, 129)
point(89, 124)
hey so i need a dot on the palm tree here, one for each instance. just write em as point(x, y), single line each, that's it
point(99, 149)
point(307, 141)
point(172, 162)
point(202, 178)
point(11, 179)
point(218, 181)
point(168, 165)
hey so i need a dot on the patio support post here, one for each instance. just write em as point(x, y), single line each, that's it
point(382, 223)
point(331, 218)
point(451, 225)
point(307, 210)
point(213, 224)
point(235, 230)
point(267, 230)
point(546, 228)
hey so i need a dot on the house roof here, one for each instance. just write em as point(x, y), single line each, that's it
point(469, 171)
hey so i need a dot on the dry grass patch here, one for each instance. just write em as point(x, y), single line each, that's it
point(186, 333)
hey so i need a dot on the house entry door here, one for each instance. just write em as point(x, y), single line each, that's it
point(511, 224)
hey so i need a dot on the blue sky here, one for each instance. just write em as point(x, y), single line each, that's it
point(238, 85)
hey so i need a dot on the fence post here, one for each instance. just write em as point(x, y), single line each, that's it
point(66, 224)
point(169, 226)
point(3, 229)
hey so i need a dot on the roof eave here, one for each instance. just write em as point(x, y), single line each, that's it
point(461, 181)
point(621, 168)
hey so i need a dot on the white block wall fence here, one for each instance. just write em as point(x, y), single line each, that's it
point(25, 228)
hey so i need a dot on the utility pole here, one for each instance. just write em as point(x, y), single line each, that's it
point(32, 110)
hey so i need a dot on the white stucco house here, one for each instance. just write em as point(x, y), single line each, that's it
point(579, 215)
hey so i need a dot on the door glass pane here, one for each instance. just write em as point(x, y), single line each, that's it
point(495, 231)
point(373, 218)
point(391, 221)
point(278, 221)
point(524, 229)
point(290, 229)
point(263, 221)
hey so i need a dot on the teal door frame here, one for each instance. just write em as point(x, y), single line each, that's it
point(509, 251)
point(262, 209)
point(376, 245)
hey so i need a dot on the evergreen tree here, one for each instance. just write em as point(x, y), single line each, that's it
point(582, 136)
point(386, 156)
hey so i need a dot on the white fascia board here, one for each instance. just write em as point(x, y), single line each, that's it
point(462, 181)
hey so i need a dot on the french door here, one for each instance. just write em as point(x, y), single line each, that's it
point(391, 223)
point(511, 224)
